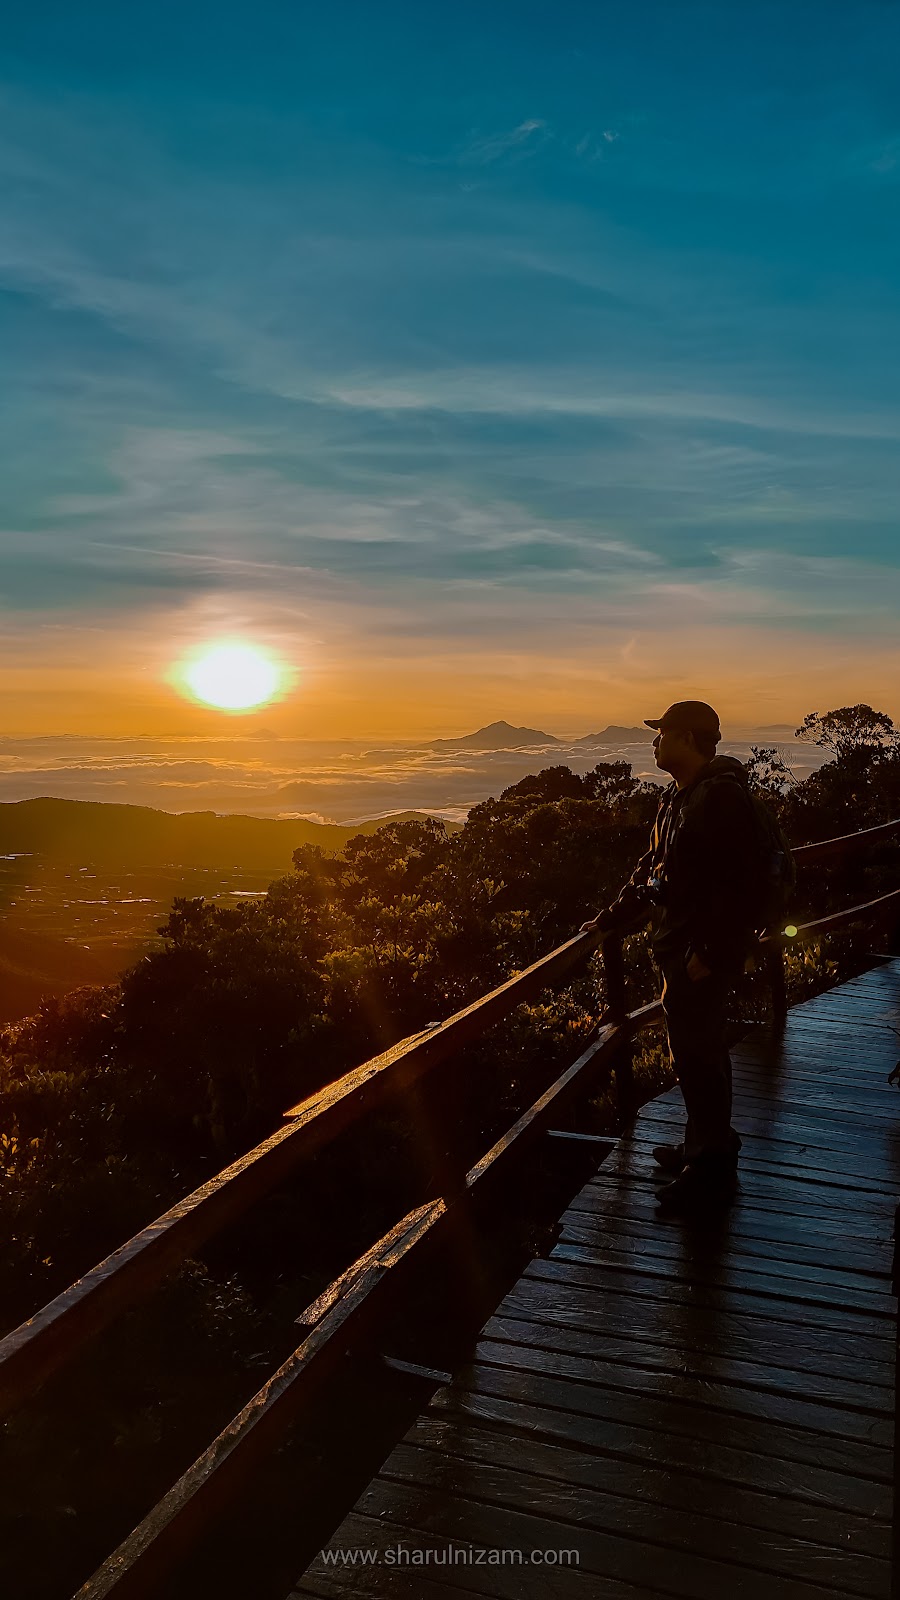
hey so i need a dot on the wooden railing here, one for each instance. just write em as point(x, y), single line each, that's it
point(774, 944)
point(354, 1305)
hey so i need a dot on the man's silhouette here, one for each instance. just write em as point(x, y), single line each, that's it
point(696, 881)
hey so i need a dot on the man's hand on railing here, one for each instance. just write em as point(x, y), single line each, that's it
point(601, 920)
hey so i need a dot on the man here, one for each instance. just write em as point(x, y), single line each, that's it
point(696, 880)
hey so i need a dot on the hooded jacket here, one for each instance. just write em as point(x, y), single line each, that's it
point(696, 879)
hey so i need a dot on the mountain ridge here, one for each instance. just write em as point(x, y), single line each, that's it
point(496, 736)
point(616, 735)
point(109, 833)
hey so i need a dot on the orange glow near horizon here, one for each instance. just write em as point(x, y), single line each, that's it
point(356, 685)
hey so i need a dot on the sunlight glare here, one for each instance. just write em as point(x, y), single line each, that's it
point(233, 677)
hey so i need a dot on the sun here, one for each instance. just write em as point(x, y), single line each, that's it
point(233, 677)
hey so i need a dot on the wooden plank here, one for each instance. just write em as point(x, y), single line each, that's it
point(599, 1506)
point(759, 1216)
point(704, 1460)
point(814, 1166)
point(745, 1231)
point(860, 1137)
point(762, 1277)
point(833, 1151)
point(644, 1480)
point(821, 1349)
point(627, 1240)
point(659, 1253)
point(649, 1300)
point(750, 1214)
point(756, 1366)
point(865, 1212)
point(859, 1040)
point(812, 1061)
point(807, 1078)
point(605, 1554)
point(656, 1412)
point(501, 1579)
point(762, 1230)
point(808, 1073)
point(825, 1103)
point(782, 1149)
point(838, 1114)
point(784, 1123)
point(774, 1304)
point(816, 1355)
point(705, 1393)
point(757, 1195)
point(818, 1170)
point(371, 1582)
point(807, 1195)
point(807, 1028)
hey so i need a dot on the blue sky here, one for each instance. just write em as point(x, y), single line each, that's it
point(482, 360)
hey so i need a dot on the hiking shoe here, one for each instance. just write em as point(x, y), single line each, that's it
point(697, 1189)
point(719, 1163)
point(669, 1156)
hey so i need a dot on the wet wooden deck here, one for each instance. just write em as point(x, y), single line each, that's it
point(698, 1410)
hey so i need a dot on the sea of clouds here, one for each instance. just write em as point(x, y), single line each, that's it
point(328, 782)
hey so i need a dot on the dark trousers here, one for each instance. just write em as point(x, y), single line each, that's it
point(696, 1013)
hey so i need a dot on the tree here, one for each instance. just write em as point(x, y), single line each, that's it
point(850, 731)
point(770, 776)
point(860, 786)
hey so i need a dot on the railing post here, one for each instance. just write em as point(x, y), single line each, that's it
point(895, 1520)
point(777, 985)
point(617, 1011)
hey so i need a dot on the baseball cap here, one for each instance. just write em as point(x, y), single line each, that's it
point(688, 716)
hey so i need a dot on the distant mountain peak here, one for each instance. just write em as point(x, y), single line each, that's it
point(617, 735)
point(498, 736)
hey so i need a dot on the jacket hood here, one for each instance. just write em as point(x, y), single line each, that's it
point(721, 766)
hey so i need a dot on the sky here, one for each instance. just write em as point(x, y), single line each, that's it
point(477, 360)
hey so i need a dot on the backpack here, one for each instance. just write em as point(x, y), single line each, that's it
point(776, 876)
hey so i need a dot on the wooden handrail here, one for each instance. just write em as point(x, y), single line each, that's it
point(845, 842)
point(31, 1353)
point(351, 1308)
point(812, 930)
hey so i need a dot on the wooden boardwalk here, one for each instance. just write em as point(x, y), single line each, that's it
point(702, 1410)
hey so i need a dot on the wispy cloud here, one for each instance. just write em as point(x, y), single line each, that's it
point(526, 139)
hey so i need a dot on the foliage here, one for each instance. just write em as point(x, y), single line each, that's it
point(770, 777)
point(849, 731)
point(859, 787)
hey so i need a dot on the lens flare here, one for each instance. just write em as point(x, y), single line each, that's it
point(233, 677)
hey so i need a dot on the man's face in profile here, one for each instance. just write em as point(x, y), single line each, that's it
point(670, 748)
